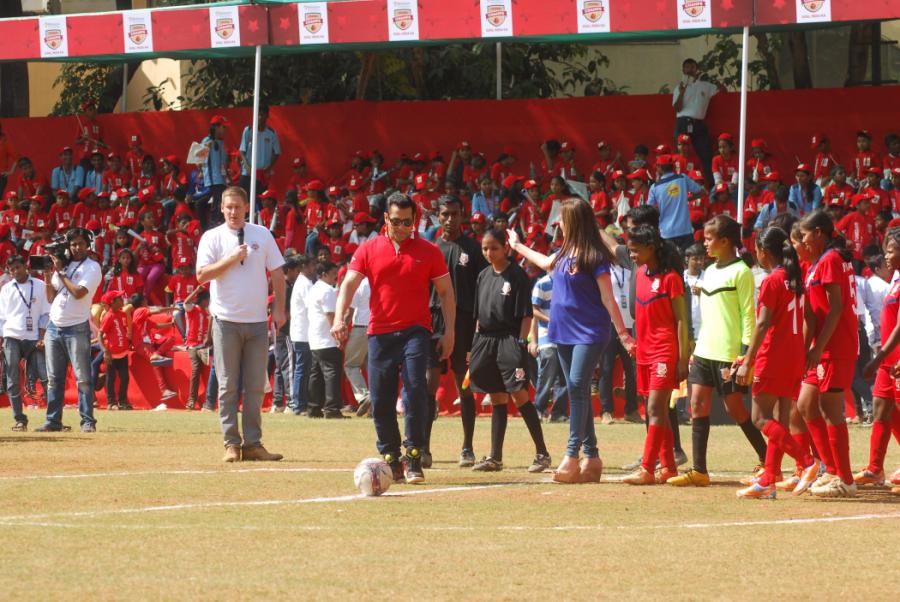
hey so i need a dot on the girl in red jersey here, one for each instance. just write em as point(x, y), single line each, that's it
point(832, 347)
point(600, 203)
point(886, 417)
point(775, 361)
point(662, 346)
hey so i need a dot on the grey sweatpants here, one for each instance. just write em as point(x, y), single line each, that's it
point(241, 350)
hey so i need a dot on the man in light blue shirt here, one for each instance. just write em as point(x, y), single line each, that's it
point(670, 196)
point(266, 155)
point(214, 172)
point(67, 176)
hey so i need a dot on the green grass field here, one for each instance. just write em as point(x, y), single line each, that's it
point(145, 509)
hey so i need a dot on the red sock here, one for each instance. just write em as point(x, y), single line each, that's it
point(774, 455)
point(804, 443)
point(839, 438)
point(895, 422)
point(775, 431)
point(652, 444)
point(667, 450)
point(818, 431)
point(881, 436)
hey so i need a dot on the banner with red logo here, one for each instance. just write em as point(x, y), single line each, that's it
point(813, 11)
point(694, 14)
point(403, 20)
point(137, 27)
point(224, 27)
point(313, 21)
point(496, 18)
point(593, 16)
point(54, 36)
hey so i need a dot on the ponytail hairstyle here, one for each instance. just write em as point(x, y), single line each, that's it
point(668, 258)
point(728, 228)
point(497, 234)
point(819, 220)
point(777, 243)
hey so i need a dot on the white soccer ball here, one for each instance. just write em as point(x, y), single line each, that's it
point(373, 476)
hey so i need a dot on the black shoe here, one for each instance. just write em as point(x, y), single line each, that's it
point(541, 463)
point(315, 414)
point(426, 459)
point(190, 406)
point(112, 407)
point(20, 427)
point(335, 415)
point(49, 428)
point(364, 406)
point(125, 406)
point(414, 473)
point(88, 427)
point(559, 419)
point(396, 467)
point(488, 464)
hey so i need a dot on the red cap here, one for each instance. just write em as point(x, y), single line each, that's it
point(566, 146)
point(772, 176)
point(360, 154)
point(318, 185)
point(332, 222)
point(663, 149)
point(38, 198)
point(529, 184)
point(363, 218)
point(804, 167)
point(93, 224)
point(758, 143)
point(110, 296)
point(862, 196)
point(113, 155)
point(65, 149)
point(696, 176)
point(638, 174)
point(122, 193)
point(135, 139)
point(721, 187)
point(333, 191)
point(463, 145)
point(816, 140)
point(105, 195)
point(602, 144)
point(355, 183)
point(146, 194)
point(895, 172)
point(84, 193)
point(684, 138)
point(509, 181)
point(873, 170)
point(218, 120)
point(618, 174)
point(298, 161)
point(725, 136)
point(62, 226)
point(268, 193)
point(11, 194)
point(421, 181)
point(171, 160)
point(62, 192)
point(478, 218)
point(508, 150)
point(87, 104)
point(864, 134)
point(664, 160)
point(434, 155)
point(418, 158)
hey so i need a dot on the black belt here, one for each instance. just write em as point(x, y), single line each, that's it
point(692, 119)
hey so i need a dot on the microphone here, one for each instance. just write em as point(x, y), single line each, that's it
point(241, 240)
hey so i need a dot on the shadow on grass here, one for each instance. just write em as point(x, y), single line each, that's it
point(38, 439)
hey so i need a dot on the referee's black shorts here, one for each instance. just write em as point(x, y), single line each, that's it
point(708, 373)
point(498, 364)
point(462, 342)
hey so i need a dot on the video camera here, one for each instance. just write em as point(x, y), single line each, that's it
point(59, 247)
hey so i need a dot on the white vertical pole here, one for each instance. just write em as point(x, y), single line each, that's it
point(254, 136)
point(499, 71)
point(742, 138)
point(124, 87)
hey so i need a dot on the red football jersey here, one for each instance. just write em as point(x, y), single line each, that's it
point(832, 269)
point(723, 208)
point(699, 208)
point(725, 169)
point(889, 322)
point(114, 327)
point(152, 250)
point(863, 161)
point(833, 191)
point(781, 354)
point(115, 180)
point(197, 320)
point(657, 335)
point(859, 228)
point(756, 168)
point(127, 283)
point(600, 202)
point(824, 164)
point(181, 286)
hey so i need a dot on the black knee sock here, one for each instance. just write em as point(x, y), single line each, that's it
point(532, 420)
point(673, 422)
point(467, 413)
point(429, 420)
point(700, 434)
point(755, 438)
point(499, 416)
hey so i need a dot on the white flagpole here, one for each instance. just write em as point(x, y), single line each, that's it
point(254, 136)
point(742, 138)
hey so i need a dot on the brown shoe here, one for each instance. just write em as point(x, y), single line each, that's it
point(259, 454)
point(232, 453)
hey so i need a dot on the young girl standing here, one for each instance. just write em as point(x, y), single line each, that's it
point(774, 361)
point(498, 359)
point(832, 346)
point(662, 346)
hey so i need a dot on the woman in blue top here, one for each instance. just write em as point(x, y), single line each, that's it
point(581, 317)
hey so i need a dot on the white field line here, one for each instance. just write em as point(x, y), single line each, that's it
point(246, 503)
point(191, 472)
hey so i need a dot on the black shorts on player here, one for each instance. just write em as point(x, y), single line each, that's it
point(462, 342)
point(498, 363)
point(708, 373)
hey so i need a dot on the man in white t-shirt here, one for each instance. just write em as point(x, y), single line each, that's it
point(234, 258)
point(68, 336)
point(691, 101)
point(300, 336)
point(326, 374)
point(357, 347)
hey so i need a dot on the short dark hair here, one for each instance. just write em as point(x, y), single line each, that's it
point(689, 61)
point(400, 201)
point(14, 259)
point(203, 295)
point(291, 263)
point(447, 199)
point(643, 214)
point(695, 250)
point(641, 149)
point(302, 261)
point(497, 234)
point(325, 267)
point(499, 215)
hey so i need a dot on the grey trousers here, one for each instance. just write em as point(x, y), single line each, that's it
point(281, 392)
point(325, 381)
point(355, 353)
point(241, 350)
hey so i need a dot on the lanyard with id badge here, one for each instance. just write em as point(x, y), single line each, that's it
point(620, 284)
point(65, 291)
point(29, 321)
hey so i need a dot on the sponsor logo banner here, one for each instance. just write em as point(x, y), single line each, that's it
point(138, 29)
point(313, 18)
point(403, 20)
point(496, 18)
point(813, 11)
point(593, 16)
point(224, 27)
point(54, 36)
point(694, 14)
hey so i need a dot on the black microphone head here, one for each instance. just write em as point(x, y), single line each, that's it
point(241, 236)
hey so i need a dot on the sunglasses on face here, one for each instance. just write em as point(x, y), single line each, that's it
point(396, 222)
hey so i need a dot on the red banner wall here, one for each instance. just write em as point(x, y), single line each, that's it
point(328, 134)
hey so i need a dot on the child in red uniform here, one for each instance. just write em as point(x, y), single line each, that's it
point(29, 182)
point(638, 179)
point(197, 342)
point(825, 160)
point(171, 177)
point(179, 287)
point(725, 164)
point(183, 240)
point(151, 255)
point(607, 163)
point(774, 362)
point(62, 210)
point(886, 393)
point(831, 325)
point(662, 346)
point(134, 158)
point(838, 189)
point(881, 198)
point(760, 162)
point(115, 341)
point(857, 226)
point(146, 175)
point(600, 203)
point(116, 176)
point(865, 156)
point(722, 203)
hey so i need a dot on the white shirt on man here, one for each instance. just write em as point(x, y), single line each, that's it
point(360, 304)
point(695, 101)
point(22, 305)
point(621, 283)
point(239, 294)
point(66, 310)
point(299, 316)
point(322, 300)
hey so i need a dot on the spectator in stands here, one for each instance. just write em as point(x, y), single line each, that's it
point(266, 155)
point(67, 176)
point(780, 205)
point(670, 195)
point(8, 159)
point(24, 315)
point(235, 257)
point(805, 194)
point(691, 101)
point(89, 135)
point(198, 341)
point(485, 201)
point(214, 172)
point(68, 337)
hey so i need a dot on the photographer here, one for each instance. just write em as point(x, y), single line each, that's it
point(73, 278)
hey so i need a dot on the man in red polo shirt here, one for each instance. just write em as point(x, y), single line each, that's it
point(400, 267)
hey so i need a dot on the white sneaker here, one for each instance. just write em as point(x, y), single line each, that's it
point(823, 480)
point(835, 488)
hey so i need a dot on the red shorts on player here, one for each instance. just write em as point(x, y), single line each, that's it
point(831, 375)
point(886, 386)
point(779, 387)
point(656, 376)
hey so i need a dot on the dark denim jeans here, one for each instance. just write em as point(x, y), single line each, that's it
point(300, 385)
point(15, 351)
point(550, 384)
point(395, 355)
point(578, 363)
point(63, 346)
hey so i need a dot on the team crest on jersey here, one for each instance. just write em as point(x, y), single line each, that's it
point(506, 289)
point(137, 33)
point(463, 259)
point(694, 8)
point(224, 27)
point(820, 371)
point(520, 373)
point(593, 10)
point(313, 22)
point(813, 6)
point(496, 14)
point(662, 369)
point(254, 246)
point(337, 249)
point(53, 38)
point(403, 18)
point(654, 286)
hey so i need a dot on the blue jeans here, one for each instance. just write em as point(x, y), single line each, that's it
point(404, 354)
point(300, 381)
point(15, 351)
point(578, 363)
point(65, 345)
point(550, 383)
